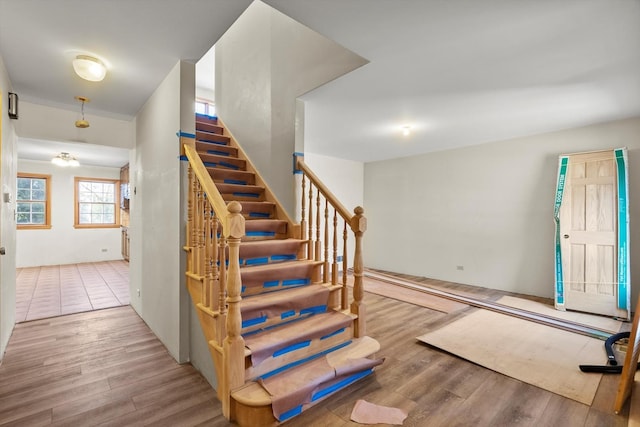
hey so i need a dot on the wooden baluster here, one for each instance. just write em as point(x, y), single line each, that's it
point(215, 275)
point(310, 245)
point(222, 274)
point(303, 220)
point(325, 268)
point(233, 346)
point(345, 291)
point(190, 230)
point(206, 295)
point(358, 226)
point(199, 230)
point(318, 241)
point(334, 266)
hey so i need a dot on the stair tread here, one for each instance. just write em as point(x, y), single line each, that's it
point(261, 269)
point(238, 187)
point(253, 394)
point(266, 343)
point(290, 302)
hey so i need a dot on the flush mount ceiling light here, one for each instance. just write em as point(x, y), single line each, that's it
point(406, 130)
point(89, 68)
point(82, 123)
point(65, 160)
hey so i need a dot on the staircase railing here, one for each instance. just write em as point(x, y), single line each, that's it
point(320, 213)
point(213, 230)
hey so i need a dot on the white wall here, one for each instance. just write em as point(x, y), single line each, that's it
point(8, 162)
point(62, 243)
point(56, 124)
point(488, 208)
point(156, 212)
point(263, 62)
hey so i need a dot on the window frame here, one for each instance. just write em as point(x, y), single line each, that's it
point(47, 202)
point(116, 202)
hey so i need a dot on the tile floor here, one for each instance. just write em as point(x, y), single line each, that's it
point(55, 290)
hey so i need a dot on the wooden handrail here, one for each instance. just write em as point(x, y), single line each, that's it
point(210, 189)
point(333, 200)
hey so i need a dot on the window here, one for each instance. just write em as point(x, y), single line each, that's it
point(96, 203)
point(205, 107)
point(33, 202)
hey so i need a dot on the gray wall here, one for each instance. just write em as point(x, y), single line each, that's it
point(263, 62)
point(488, 208)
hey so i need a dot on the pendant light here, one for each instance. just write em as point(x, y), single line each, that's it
point(82, 124)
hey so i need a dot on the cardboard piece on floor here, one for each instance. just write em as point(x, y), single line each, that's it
point(536, 354)
point(369, 413)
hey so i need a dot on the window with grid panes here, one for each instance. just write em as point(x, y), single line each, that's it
point(96, 203)
point(33, 201)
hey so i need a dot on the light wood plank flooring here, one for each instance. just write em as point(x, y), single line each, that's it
point(56, 290)
point(107, 368)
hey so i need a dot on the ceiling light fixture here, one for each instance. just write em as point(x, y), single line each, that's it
point(82, 124)
point(65, 160)
point(406, 130)
point(89, 68)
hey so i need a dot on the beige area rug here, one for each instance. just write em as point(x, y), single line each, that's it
point(601, 322)
point(536, 354)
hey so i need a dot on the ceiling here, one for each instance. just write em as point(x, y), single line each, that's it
point(460, 72)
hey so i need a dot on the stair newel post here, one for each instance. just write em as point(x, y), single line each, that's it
point(310, 245)
point(233, 346)
point(358, 226)
point(345, 265)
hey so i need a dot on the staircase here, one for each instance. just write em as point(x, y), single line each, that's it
point(271, 294)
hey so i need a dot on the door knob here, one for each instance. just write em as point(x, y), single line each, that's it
point(566, 236)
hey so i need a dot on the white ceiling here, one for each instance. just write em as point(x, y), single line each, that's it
point(460, 72)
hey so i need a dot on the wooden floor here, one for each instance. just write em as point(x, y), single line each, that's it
point(56, 290)
point(107, 368)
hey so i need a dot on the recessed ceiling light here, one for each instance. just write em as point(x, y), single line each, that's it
point(406, 130)
point(89, 68)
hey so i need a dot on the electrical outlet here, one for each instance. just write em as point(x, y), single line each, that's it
point(460, 267)
point(138, 290)
point(104, 249)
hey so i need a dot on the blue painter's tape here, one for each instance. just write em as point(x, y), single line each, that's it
point(286, 257)
point(339, 259)
point(332, 334)
point(295, 156)
point(183, 158)
point(293, 282)
point(253, 322)
point(242, 289)
point(259, 215)
point(286, 314)
point(229, 165)
point(218, 153)
point(290, 413)
point(314, 310)
point(206, 116)
point(271, 284)
point(252, 195)
point(340, 384)
point(209, 141)
point(210, 164)
point(305, 360)
point(257, 261)
point(293, 347)
point(186, 134)
point(235, 181)
point(260, 234)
